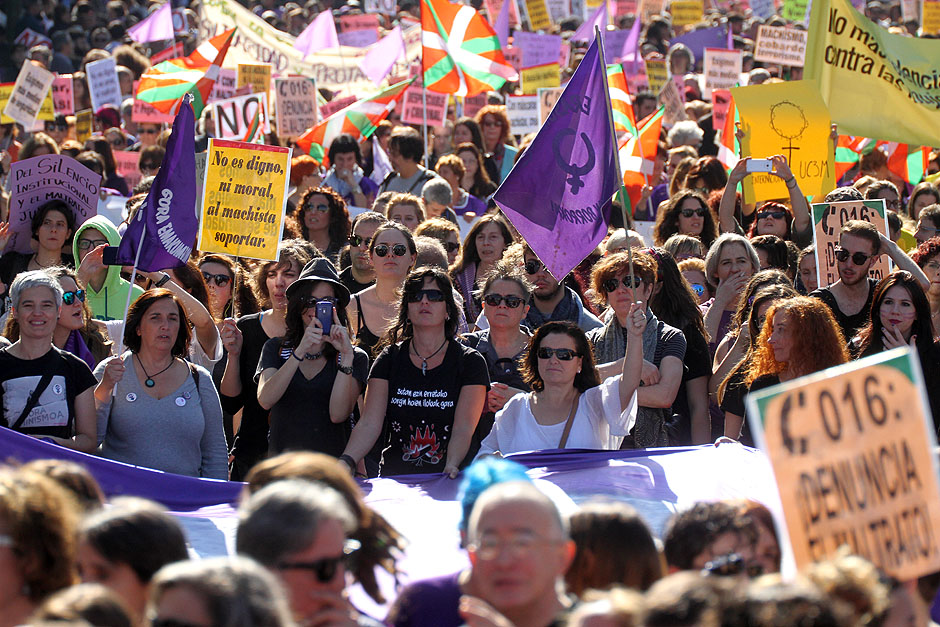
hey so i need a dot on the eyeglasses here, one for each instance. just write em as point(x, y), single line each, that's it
point(532, 266)
point(147, 131)
point(324, 569)
point(519, 545)
point(221, 280)
point(611, 285)
point(88, 244)
point(688, 213)
point(322, 208)
point(858, 259)
point(311, 301)
point(494, 300)
point(732, 564)
point(698, 288)
point(399, 250)
point(69, 297)
point(892, 204)
point(434, 296)
point(776, 215)
point(451, 247)
point(563, 354)
point(355, 241)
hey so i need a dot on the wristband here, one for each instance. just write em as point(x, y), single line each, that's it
point(344, 369)
point(294, 355)
point(349, 461)
point(163, 280)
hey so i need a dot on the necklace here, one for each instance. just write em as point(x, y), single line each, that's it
point(313, 355)
point(424, 360)
point(35, 260)
point(149, 382)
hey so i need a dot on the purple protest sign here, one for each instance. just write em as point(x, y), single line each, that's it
point(36, 181)
point(698, 40)
point(537, 49)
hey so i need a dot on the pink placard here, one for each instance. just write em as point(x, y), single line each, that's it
point(62, 98)
point(335, 105)
point(473, 104)
point(127, 167)
point(144, 112)
point(224, 87)
point(721, 102)
point(359, 22)
point(413, 107)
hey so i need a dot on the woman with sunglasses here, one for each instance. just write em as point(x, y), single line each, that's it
point(428, 388)
point(497, 141)
point(230, 293)
point(323, 220)
point(310, 378)
point(375, 308)
point(663, 346)
point(685, 213)
point(569, 406)
point(75, 331)
point(483, 247)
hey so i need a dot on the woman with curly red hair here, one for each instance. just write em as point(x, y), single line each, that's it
point(323, 219)
point(927, 256)
point(497, 141)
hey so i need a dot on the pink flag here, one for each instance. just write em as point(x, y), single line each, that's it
point(585, 32)
point(319, 35)
point(382, 56)
point(157, 27)
point(631, 47)
point(501, 26)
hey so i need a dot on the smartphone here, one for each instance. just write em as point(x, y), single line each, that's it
point(760, 165)
point(325, 315)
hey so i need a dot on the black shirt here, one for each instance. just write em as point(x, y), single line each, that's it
point(346, 278)
point(850, 325)
point(697, 363)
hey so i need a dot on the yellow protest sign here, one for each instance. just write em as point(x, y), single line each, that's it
point(243, 199)
point(876, 84)
point(828, 219)
point(46, 111)
point(257, 75)
point(930, 21)
point(84, 120)
point(687, 12)
point(656, 74)
point(534, 78)
point(852, 454)
point(538, 15)
point(789, 119)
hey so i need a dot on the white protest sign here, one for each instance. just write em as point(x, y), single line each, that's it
point(670, 98)
point(29, 92)
point(721, 68)
point(786, 46)
point(103, 84)
point(412, 111)
point(523, 113)
point(235, 116)
point(296, 101)
point(30, 38)
point(387, 7)
point(558, 9)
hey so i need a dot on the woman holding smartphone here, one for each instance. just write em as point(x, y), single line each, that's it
point(310, 378)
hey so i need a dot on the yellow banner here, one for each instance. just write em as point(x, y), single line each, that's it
point(533, 78)
point(787, 119)
point(243, 200)
point(876, 84)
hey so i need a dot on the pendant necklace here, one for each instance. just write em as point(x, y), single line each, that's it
point(149, 382)
point(424, 360)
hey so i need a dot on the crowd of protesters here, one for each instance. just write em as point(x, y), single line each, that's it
point(386, 344)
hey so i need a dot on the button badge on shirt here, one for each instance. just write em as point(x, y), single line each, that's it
point(131, 397)
point(180, 401)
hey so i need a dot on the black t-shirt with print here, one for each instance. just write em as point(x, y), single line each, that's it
point(421, 408)
point(54, 414)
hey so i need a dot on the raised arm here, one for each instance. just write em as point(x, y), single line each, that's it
point(633, 360)
point(798, 204)
point(727, 223)
point(903, 261)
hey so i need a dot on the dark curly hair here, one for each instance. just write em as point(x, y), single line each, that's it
point(926, 251)
point(667, 219)
point(339, 214)
point(402, 329)
point(584, 380)
point(243, 300)
point(295, 317)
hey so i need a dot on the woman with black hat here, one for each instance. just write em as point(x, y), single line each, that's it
point(310, 378)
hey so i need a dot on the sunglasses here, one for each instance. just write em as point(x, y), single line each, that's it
point(451, 247)
point(492, 123)
point(324, 569)
point(149, 166)
point(563, 354)
point(220, 279)
point(139, 279)
point(355, 241)
point(731, 565)
point(399, 250)
point(858, 259)
point(532, 266)
point(495, 300)
point(776, 215)
point(69, 297)
point(698, 288)
point(147, 131)
point(88, 244)
point(311, 301)
point(688, 213)
point(322, 208)
point(434, 296)
point(611, 285)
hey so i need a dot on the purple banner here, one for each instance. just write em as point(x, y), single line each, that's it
point(698, 40)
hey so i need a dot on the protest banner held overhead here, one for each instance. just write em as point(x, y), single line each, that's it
point(244, 198)
point(852, 449)
point(103, 85)
point(828, 219)
point(243, 118)
point(786, 46)
point(29, 92)
point(296, 105)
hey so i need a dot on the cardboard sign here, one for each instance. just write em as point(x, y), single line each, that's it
point(173, 52)
point(180, 21)
point(721, 68)
point(763, 8)
point(538, 14)
point(523, 113)
point(534, 78)
point(789, 119)
point(828, 219)
point(721, 102)
point(103, 84)
point(63, 100)
point(412, 111)
point(564, 55)
point(258, 75)
point(364, 21)
point(649, 8)
point(29, 91)
point(909, 11)
point(337, 104)
point(224, 87)
point(671, 99)
point(296, 101)
point(548, 96)
point(513, 57)
point(852, 451)
point(145, 112)
point(686, 12)
point(537, 49)
point(930, 21)
point(472, 104)
point(385, 7)
point(84, 121)
point(127, 166)
point(795, 11)
point(558, 10)
point(625, 7)
point(244, 196)
point(656, 74)
point(36, 181)
point(235, 116)
point(30, 38)
point(786, 46)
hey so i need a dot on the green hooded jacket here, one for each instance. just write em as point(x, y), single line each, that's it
point(109, 303)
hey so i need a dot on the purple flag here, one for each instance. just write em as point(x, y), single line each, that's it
point(165, 226)
point(585, 32)
point(158, 26)
point(730, 43)
point(698, 40)
point(630, 54)
point(382, 56)
point(558, 194)
point(501, 26)
point(320, 34)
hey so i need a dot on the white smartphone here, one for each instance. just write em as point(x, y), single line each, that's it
point(760, 165)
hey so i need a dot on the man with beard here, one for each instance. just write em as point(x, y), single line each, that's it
point(359, 274)
point(553, 301)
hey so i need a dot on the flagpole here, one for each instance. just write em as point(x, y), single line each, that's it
point(424, 115)
point(613, 135)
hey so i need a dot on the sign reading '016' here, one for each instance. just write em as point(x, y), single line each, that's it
point(853, 457)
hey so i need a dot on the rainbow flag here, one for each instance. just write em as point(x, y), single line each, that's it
point(638, 153)
point(460, 52)
point(620, 100)
point(165, 84)
point(359, 119)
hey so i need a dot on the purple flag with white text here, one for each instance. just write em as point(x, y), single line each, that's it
point(166, 226)
point(558, 195)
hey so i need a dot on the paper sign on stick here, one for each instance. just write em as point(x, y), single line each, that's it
point(930, 23)
point(670, 98)
point(523, 114)
point(795, 10)
point(656, 74)
point(548, 96)
point(296, 99)
point(29, 91)
point(63, 101)
point(235, 116)
point(46, 110)
point(722, 68)
point(257, 75)
point(786, 46)
point(244, 197)
point(473, 104)
point(412, 111)
point(721, 102)
point(103, 84)
point(534, 78)
point(30, 38)
point(852, 451)
point(789, 119)
point(224, 87)
point(828, 219)
point(537, 49)
point(538, 14)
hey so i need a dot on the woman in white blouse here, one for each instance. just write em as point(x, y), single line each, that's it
point(569, 406)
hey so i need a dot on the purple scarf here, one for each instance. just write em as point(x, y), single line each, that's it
point(76, 345)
